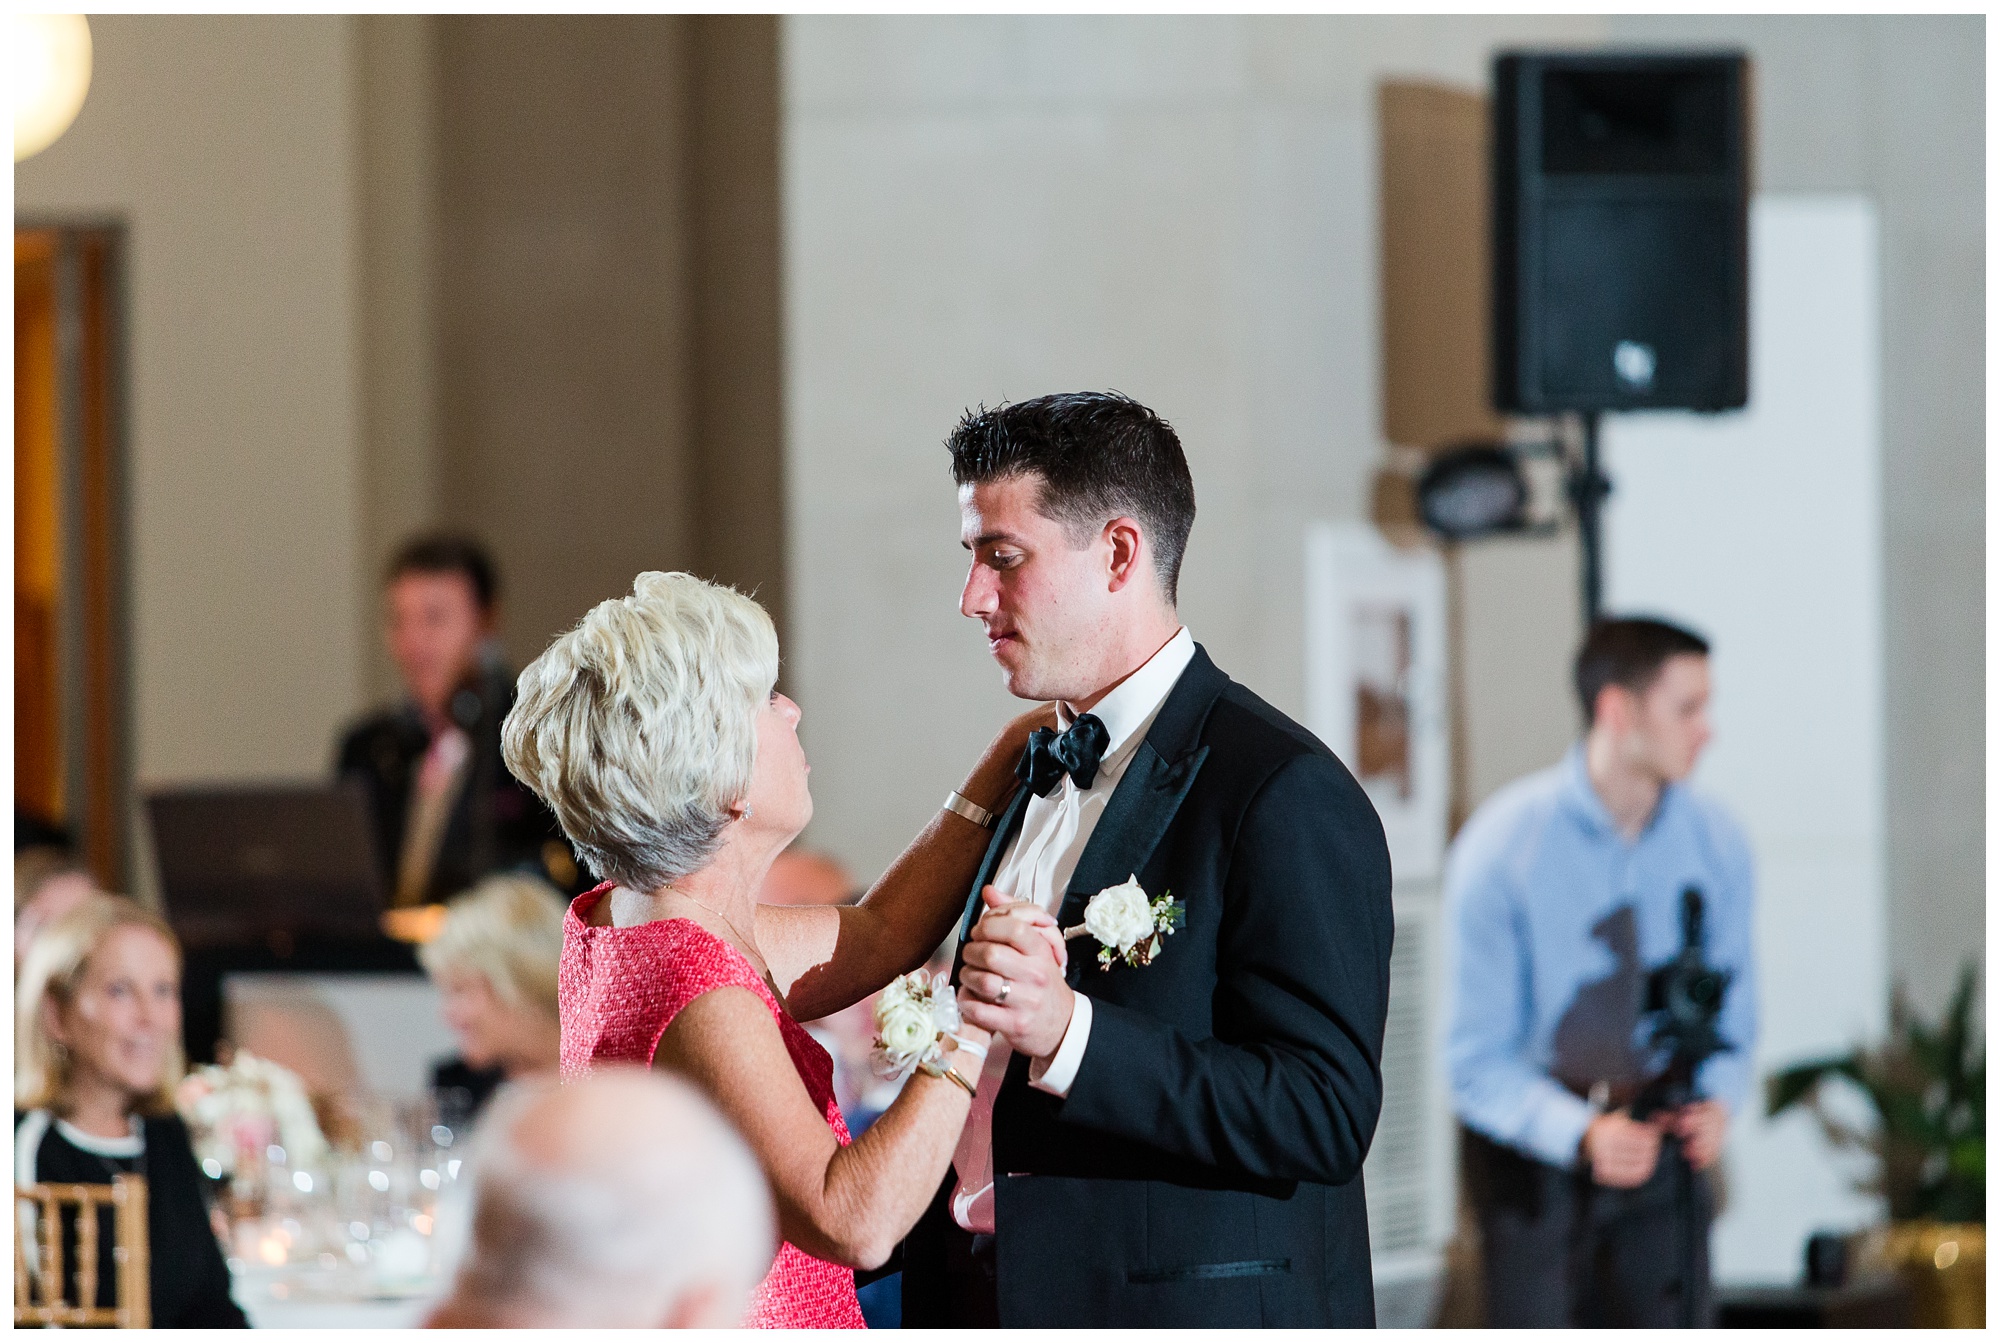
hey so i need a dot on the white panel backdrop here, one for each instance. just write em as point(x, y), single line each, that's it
point(1762, 530)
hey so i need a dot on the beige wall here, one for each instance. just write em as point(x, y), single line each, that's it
point(975, 209)
point(1184, 208)
point(226, 145)
point(604, 298)
point(1896, 107)
point(387, 271)
point(1181, 208)
point(738, 317)
point(563, 288)
point(396, 116)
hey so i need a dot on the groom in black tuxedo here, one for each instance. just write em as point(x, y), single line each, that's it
point(1177, 1142)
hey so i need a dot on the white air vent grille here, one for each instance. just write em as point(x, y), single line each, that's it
point(1402, 1169)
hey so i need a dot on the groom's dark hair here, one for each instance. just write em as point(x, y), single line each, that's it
point(1099, 455)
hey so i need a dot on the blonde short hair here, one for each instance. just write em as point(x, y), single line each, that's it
point(54, 970)
point(508, 928)
point(638, 728)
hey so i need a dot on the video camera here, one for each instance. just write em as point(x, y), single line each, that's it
point(1685, 995)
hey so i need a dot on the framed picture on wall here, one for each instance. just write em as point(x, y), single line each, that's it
point(1375, 681)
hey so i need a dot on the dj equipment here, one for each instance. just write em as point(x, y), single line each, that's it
point(1620, 232)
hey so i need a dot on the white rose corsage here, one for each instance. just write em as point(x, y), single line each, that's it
point(1129, 926)
point(916, 1023)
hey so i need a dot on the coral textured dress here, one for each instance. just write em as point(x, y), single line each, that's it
point(620, 988)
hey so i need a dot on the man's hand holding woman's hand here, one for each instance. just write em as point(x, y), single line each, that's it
point(1013, 981)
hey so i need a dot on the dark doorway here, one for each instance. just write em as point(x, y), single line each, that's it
point(72, 756)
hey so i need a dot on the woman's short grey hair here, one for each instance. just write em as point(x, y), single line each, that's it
point(638, 728)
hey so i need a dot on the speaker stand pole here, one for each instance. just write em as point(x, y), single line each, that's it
point(1588, 486)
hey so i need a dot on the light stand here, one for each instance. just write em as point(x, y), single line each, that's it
point(1588, 488)
point(1476, 490)
point(1685, 998)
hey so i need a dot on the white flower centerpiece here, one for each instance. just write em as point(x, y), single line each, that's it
point(1129, 925)
point(916, 1021)
point(236, 1112)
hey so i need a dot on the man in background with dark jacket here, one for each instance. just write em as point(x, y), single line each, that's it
point(444, 810)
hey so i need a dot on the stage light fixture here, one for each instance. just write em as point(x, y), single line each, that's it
point(1473, 491)
point(49, 59)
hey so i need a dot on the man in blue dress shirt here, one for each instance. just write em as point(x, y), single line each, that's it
point(1565, 891)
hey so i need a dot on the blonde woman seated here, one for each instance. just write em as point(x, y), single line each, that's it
point(494, 961)
point(654, 733)
point(97, 1054)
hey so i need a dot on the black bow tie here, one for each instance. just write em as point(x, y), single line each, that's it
point(1075, 753)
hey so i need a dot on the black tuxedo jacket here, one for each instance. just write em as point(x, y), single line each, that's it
point(1205, 1168)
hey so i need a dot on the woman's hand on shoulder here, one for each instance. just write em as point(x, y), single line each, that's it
point(991, 780)
point(1013, 738)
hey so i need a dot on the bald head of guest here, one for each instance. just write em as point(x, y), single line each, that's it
point(621, 1200)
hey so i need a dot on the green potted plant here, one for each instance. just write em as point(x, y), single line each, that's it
point(1927, 1085)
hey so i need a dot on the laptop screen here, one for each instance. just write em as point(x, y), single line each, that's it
point(242, 863)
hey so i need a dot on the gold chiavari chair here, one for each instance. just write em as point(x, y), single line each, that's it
point(40, 1278)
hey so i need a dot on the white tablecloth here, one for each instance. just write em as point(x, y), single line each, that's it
point(271, 1314)
point(301, 1298)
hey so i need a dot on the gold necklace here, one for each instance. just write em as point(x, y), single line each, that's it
point(749, 942)
point(750, 950)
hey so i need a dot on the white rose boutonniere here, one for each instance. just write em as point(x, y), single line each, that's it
point(914, 1018)
point(1130, 926)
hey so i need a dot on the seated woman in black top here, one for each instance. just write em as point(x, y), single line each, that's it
point(97, 1036)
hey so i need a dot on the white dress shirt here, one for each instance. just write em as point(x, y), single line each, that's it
point(1037, 866)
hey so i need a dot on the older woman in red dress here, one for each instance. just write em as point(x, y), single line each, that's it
point(655, 733)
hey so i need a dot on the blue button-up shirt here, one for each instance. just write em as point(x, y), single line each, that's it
point(1557, 918)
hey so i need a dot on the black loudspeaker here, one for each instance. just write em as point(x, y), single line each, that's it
point(1620, 232)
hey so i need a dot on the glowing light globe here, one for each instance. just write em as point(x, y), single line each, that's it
point(48, 56)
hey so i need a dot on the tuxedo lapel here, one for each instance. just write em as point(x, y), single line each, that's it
point(1138, 814)
point(1004, 831)
point(1141, 808)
